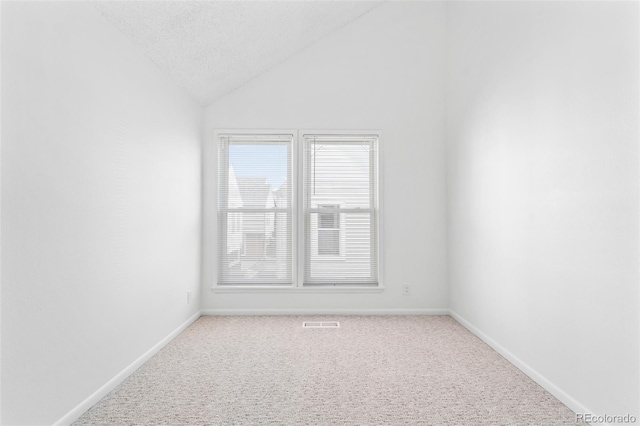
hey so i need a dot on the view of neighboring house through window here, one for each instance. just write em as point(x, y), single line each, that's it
point(337, 212)
point(340, 205)
point(255, 212)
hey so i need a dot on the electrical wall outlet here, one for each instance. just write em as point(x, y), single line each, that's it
point(406, 289)
point(189, 297)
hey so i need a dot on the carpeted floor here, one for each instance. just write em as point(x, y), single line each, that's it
point(373, 370)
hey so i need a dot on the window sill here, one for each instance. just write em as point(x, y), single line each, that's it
point(299, 290)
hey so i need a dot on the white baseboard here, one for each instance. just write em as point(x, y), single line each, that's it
point(81, 408)
point(212, 312)
point(547, 384)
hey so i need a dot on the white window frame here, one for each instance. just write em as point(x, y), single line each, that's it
point(297, 230)
point(377, 208)
point(294, 203)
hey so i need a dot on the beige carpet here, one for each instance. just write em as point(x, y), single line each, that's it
point(373, 370)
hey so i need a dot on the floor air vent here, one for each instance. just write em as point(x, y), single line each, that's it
point(318, 324)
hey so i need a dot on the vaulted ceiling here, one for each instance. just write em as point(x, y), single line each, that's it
point(213, 47)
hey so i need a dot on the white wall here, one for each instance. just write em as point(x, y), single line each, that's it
point(100, 207)
point(543, 190)
point(0, 224)
point(383, 71)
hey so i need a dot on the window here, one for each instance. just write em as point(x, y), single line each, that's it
point(328, 237)
point(340, 204)
point(255, 209)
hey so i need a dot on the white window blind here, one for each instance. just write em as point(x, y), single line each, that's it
point(340, 208)
point(255, 211)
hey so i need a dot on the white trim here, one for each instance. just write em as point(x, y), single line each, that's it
point(214, 216)
point(294, 289)
point(379, 158)
point(95, 397)
point(547, 384)
point(299, 189)
point(209, 202)
point(286, 311)
point(210, 246)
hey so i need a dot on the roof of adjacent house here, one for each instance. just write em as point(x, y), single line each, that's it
point(255, 192)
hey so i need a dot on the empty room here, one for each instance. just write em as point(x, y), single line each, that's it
point(320, 212)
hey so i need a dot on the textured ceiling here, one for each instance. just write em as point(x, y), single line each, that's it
point(212, 47)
